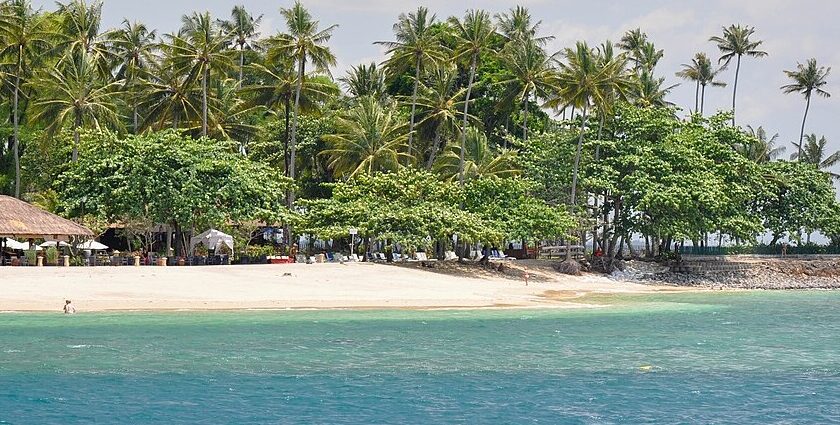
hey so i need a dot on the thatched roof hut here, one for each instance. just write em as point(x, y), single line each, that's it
point(21, 220)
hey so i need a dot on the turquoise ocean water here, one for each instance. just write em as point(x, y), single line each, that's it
point(746, 358)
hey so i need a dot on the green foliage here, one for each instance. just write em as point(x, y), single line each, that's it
point(168, 178)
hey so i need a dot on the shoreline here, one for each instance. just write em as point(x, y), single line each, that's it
point(353, 286)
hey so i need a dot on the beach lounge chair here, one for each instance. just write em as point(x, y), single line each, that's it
point(397, 257)
point(381, 256)
point(424, 260)
point(450, 256)
point(355, 257)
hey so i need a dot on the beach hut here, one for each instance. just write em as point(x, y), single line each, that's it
point(20, 220)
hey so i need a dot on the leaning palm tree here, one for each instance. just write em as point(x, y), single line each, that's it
point(703, 73)
point(532, 74)
point(24, 36)
point(75, 94)
point(369, 138)
point(736, 43)
point(198, 49)
point(440, 105)
point(481, 159)
point(516, 25)
point(242, 27)
point(473, 36)
point(306, 43)
point(416, 48)
point(760, 148)
point(814, 153)
point(807, 80)
point(134, 46)
point(365, 80)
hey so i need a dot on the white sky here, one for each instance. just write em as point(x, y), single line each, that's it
point(792, 31)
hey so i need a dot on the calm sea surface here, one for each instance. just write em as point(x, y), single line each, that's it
point(745, 358)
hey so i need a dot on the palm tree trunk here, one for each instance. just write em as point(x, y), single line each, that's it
point(204, 103)
point(802, 130)
point(292, 144)
point(16, 129)
point(413, 107)
point(525, 118)
point(735, 88)
point(595, 209)
point(241, 64)
point(464, 129)
point(697, 97)
point(435, 147)
point(288, 108)
point(76, 136)
point(136, 118)
point(575, 174)
point(702, 100)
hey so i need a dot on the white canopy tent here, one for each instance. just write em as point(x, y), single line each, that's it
point(212, 239)
point(22, 246)
point(92, 245)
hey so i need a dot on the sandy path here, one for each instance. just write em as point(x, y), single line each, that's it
point(284, 286)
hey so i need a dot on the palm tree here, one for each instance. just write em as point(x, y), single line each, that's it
point(481, 159)
point(134, 46)
point(703, 73)
point(168, 98)
point(25, 36)
point(79, 33)
point(807, 80)
point(229, 113)
point(242, 27)
point(814, 153)
point(648, 56)
point(365, 80)
point(416, 47)
point(440, 104)
point(473, 37)
point(532, 73)
point(276, 85)
point(650, 90)
point(304, 42)
point(760, 149)
point(515, 26)
point(632, 42)
point(736, 43)
point(369, 139)
point(75, 93)
point(199, 48)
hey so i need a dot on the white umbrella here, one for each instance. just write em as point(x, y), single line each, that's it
point(48, 244)
point(92, 245)
point(212, 239)
point(13, 244)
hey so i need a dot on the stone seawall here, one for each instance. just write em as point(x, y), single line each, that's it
point(753, 272)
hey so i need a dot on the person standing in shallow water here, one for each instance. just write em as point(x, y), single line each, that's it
point(69, 308)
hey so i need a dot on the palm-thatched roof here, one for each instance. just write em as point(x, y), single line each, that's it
point(21, 220)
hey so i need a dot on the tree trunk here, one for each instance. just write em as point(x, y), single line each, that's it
point(204, 103)
point(435, 147)
point(696, 97)
point(735, 88)
point(241, 64)
point(575, 174)
point(464, 130)
point(16, 147)
point(76, 125)
point(413, 107)
point(525, 118)
point(595, 242)
point(702, 100)
point(293, 139)
point(802, 130)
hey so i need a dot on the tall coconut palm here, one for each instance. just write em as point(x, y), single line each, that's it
point(169, 98)
point(736, 43)
point(703, 73)
point(648, 56)
point(516, 25)
point(532, 74)
point(79, 33)
point(650, 90)
point(75, 94)
point(306, 43)
point(481, 159)
point(369, 139)
point(229, 113)
point(276, 86)
point(814, 153)
point(242, 27)
point(473, 36)
point(632, 43)
point(365, 80)
point(25, 37)
point(134, 46)
point(807, 80)
point(440, 105)
point(198, 49)
point(760, 148)
point(416, 48)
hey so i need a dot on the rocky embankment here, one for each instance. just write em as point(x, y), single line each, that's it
point(773, 274)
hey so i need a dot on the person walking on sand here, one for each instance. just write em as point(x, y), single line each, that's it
point(69, 308)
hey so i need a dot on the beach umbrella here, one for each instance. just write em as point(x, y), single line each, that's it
point(48, 244)
point(92, 245)
point(212, 239)
point(15, 245)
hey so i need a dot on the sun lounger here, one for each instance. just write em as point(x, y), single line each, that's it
point(355, 257)
point(381, 256)
point(450, 256)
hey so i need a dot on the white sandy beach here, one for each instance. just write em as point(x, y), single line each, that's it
point(321, 286)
